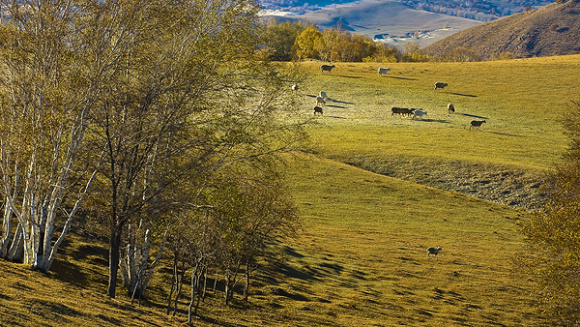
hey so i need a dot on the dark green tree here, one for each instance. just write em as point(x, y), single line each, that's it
point(278, 40)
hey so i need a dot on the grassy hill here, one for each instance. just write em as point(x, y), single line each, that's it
point(361, 259)
point(522, 102)
point(548, 31)
point(361, 256)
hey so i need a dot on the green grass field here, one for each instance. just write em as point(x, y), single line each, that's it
point(360, 259)
point(521, 100)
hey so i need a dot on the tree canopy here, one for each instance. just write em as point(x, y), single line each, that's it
point(130, 111)
point(294, 41)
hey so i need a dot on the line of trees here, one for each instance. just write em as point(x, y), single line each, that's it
point(288, 41)
point(156, 119)
point(295, 41)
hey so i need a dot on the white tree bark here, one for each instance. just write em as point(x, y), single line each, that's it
point(43, 120)
point(138, 264)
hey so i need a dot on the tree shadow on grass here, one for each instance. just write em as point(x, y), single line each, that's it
point(86, 250)
point(70, 273)
point(52, 311)
point(111, 320)
point(292, 252)
point(288, 271)
point(336, 267)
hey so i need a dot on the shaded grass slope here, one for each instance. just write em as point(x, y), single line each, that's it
point(374, 231)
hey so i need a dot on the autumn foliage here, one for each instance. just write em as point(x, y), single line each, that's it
point(294, 41)
point(553, 255)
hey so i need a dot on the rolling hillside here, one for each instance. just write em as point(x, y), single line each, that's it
point(504, 163)
point(369, 209)
point(548, 31)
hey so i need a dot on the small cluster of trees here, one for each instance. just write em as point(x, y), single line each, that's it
point(158, 119)
point(294, 41)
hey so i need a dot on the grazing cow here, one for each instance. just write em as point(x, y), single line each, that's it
point(434, 251)
point(327, 68)
point(476, 123)
point(323, 95)
point(383, 71)
point(419, 113)
point(440, 85)
point(402, 111)
point(318, 110)
point(294, 88)
point(320, 101)
point(450, 108)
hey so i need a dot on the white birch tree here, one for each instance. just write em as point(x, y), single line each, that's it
point(45, 103)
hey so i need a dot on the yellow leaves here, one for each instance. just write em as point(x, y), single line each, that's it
point(555, 235)
point(308, 43)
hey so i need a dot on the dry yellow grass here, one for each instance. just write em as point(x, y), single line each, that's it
point(361, 258)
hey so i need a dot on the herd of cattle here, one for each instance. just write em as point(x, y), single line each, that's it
point(402, 112)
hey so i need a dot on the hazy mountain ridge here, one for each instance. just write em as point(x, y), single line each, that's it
point(479, 10)
point(470, 9)
point(298, 6)
point(549, 31)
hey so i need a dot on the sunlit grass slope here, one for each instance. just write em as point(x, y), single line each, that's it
point(521, 101)
point(363, 253)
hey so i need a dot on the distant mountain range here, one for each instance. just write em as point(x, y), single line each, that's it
point(482, 10)
point(397, 22)
point(551, 30)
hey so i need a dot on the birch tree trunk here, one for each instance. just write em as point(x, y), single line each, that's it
point(179, 289)
point(16, 251)
point(7, 230)
point(194, 282)
point(174, 283)
point(138, 264)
